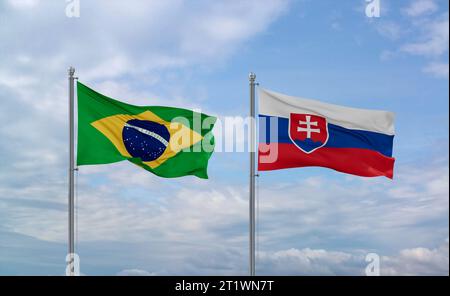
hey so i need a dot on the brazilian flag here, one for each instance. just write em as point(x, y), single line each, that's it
point(169, 142)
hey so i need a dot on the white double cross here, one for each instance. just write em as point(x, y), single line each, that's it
point(308, 129)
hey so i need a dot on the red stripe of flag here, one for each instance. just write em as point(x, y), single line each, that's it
point(355, 161)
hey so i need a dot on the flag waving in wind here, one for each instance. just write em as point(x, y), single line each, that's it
point(298, 132)
point(162, 140)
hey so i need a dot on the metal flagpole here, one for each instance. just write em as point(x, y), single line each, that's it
point(71, 172)
point(252, 78)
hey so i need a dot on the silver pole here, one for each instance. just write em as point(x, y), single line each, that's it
point(71, 170)
point(252, 78)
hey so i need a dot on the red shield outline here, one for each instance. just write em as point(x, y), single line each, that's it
point(298, 138)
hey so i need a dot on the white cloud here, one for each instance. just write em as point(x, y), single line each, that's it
point(158, 35)
point(428, 35)
point(434, 41)
point(421, 7)
point(416, 261)
point(159, 38)
point(437, 69)
point(307, 262)
point(23, 4)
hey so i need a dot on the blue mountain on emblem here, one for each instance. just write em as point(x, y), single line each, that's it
point(308, 145)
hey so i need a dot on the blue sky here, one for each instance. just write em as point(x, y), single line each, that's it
point(198, 55)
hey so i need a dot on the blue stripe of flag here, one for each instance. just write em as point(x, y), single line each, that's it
point(339, 137)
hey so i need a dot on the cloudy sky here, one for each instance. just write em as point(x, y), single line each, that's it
point(197, 54)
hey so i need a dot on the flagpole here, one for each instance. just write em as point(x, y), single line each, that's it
point(71, 171)
point(252, 78)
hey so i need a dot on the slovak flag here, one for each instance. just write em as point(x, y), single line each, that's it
point(295, 132)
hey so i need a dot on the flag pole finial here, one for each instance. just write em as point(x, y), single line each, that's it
point(71, 71)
